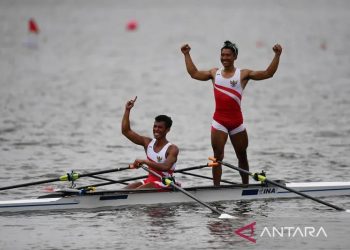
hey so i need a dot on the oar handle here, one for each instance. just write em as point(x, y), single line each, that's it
point(256, 176)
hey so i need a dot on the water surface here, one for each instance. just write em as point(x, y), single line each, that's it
point(62, 104)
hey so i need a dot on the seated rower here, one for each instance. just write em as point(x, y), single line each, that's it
point(161, 154)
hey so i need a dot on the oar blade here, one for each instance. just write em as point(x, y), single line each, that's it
point(227, 216)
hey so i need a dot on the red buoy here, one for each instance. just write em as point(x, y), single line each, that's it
point(33, 26)
point(132, 25)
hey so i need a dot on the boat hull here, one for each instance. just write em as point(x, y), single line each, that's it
point(67, 200)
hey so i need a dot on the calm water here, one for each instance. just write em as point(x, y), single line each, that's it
point(62, 103)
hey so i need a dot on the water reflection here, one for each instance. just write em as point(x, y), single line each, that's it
point(246, 211)
point(160, 218)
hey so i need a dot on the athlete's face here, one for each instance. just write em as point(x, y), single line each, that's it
point(159, 130)
point(227, 57)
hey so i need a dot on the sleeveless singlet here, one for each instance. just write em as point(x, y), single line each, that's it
point(228, 95)
point(159, 157)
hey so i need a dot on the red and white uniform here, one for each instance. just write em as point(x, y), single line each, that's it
point(228, 95)
point(159, 157)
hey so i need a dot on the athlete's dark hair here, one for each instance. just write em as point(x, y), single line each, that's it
point(231, 46)
point(164, 118)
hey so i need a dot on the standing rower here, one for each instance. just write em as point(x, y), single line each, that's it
point(229, 83)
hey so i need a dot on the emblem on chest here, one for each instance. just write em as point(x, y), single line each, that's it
point(233, 83)
point(159, 158)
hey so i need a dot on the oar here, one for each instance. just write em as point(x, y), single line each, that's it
point(205, 177)
point(139, 177)
point(171, 183)
point(113, 182)
point(68, 177)
point(259, 177)
point(184, 171)
point(107, 179)
point(191, 168)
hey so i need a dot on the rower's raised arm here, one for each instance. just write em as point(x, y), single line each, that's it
point(202, 75)
point(126, 129)
point(271, 69)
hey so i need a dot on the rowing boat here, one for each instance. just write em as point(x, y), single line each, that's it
point(69, 199)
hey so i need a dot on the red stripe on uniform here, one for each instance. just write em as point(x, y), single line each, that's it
point(232, 91)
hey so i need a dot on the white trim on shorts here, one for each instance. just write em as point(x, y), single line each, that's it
point(222, 128)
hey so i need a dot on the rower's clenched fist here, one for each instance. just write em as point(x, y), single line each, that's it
point(185, 49)
point(277, 49)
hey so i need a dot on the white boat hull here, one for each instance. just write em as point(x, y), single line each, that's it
point(121, 198)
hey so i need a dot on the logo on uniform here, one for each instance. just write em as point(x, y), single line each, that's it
point(233, 83)
point(159, 158)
